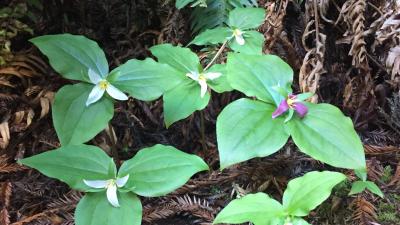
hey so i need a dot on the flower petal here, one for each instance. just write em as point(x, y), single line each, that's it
point(96, 183)
point(193, 76)
point(115, 93)
point(112, 195)
point(203, 88)
point(94, 77)
point(212, 75)
point(94, 95)
point(122, 181)
point(282, 108)
point(239, 39)
point(300, 108)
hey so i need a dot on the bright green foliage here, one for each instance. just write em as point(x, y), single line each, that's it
point(240, 19)
point(94, 209)
point(324, 133)
point(302, 195)
point(72, 56)
point(71, 164)
point(327, 135)
point(154, 171)
point(152, 168)
point(305, 193)
point(247, 131)
point(74, 122)
point(185, 98)
point(257, 208)
point(360, 186)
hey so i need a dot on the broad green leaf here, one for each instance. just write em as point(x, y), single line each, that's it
point(258, 208)
point(245, 130)
point(257, 76)
point(213, 36)
point(145, 80)
point(360, 186)
point(182, 101)
point(71, 164)
point(221, 84)
point(254, 42)
point(72, 55)
point(94, 209)
point(179, 4)
point(305, 193)
point(182, 59)
point(159, 170)
point(299, 221)
point(327, 135)
point(246, 18)
point(357, 187)
point(76, 123)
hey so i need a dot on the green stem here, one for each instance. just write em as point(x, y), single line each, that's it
point(202, 131)
point(114, 150)
point(217, 55)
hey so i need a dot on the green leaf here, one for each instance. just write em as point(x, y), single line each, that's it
point(94, 209)
point(357, 187)
point(220, 84)
point(360, 186)
point(179, 4)
point(258, 75)
point(246, 18)
point(245, 130)
point(305, 193)
point(182, 101)
point(258, 208)
point(299, 221)
point(159, 170)
point(145, 80)
point(213, 36)
point(327, 135)
point(71, 164)
point(181, 59)
point(72, 55)
point(254, 42)
point(75, 123)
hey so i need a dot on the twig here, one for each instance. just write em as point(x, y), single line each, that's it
point(216, 55)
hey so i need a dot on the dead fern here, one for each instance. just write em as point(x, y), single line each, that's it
point(364, 211)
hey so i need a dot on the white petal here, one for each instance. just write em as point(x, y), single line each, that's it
point(203, 87)
point(193, 76)
point(122, 181)
point(96, 183)
point(112, 195)
point(94, 77)
point(212, 75)
point(115, 93)
point(94, 95)
point(239, 39)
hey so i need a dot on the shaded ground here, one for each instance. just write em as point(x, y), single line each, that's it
point(351, 59)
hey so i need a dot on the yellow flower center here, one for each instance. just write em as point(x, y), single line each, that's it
point(103, 84)
point(202, 77)
point(110, 183)
point(237, 32)
point(290, 102)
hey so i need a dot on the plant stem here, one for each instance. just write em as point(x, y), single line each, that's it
point(202, 131)
point(216, 55)
point(114, 150)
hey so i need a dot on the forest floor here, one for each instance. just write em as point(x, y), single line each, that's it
point(348, 52)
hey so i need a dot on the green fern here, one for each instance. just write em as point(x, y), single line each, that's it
point(216, 13)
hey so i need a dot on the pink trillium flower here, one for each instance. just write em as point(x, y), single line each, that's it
point(291, 103)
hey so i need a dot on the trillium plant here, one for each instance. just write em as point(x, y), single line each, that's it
point(257, 125)
point(111, 196)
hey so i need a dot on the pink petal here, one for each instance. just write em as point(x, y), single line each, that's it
point(282, 108)
point(300, 108)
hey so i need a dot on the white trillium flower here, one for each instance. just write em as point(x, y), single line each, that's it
point(238, 34)
point(202, 79)
point(111, 186)
point(101, 86)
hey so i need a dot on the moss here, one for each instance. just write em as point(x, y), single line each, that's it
point(388, 210)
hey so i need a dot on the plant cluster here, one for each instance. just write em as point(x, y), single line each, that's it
point(256, 126)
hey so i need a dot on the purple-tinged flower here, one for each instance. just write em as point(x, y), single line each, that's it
point(292, 102)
